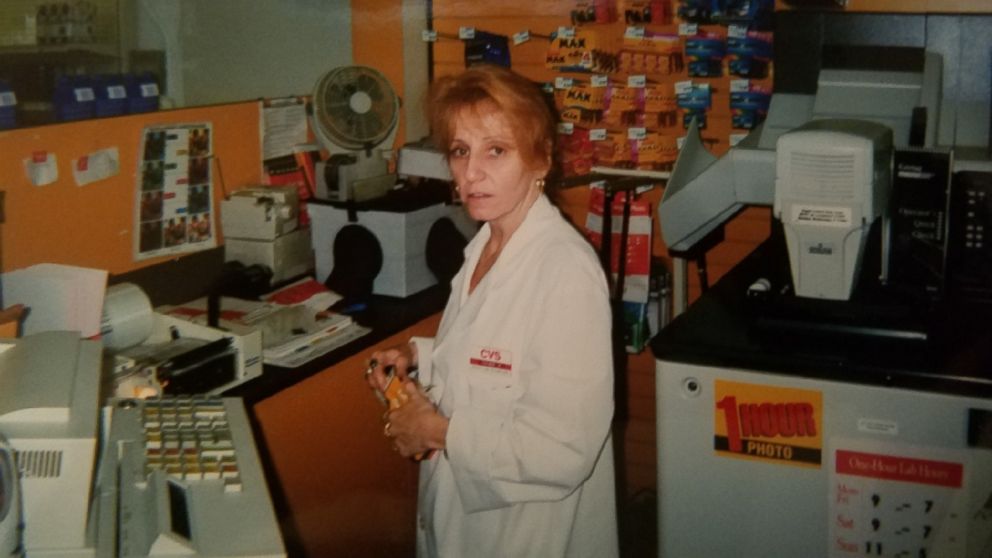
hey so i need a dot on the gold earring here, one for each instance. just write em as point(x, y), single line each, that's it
point(540, 184)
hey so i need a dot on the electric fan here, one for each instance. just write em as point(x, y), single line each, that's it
point(354, 112)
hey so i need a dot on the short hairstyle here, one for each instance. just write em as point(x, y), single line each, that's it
point(517, 98)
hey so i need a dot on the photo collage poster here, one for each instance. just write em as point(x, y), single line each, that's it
point(174, 191)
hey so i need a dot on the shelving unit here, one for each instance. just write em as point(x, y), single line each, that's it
point(34, 51)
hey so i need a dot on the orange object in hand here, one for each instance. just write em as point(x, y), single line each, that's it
point(394, 396)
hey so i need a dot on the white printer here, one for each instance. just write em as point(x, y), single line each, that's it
point(261, 226)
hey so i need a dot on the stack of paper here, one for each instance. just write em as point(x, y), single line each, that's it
point(331, 333)
point(295, 325)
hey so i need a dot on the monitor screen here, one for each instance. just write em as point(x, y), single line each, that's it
point(9, 507)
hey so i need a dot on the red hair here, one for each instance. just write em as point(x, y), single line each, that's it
point(515, 97)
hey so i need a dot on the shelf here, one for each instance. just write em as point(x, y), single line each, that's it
point(106, 50)
point(894, 6)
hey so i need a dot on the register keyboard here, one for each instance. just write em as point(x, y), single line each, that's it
point(183, 478)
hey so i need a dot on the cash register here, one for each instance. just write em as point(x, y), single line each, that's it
point(159, 477)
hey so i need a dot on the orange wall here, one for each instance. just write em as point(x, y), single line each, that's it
point(377, 41)
point(93, 225)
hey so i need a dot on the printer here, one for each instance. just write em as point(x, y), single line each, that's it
point(842, 170)
point(832, 182)
point(261, 226)
point(823, 162)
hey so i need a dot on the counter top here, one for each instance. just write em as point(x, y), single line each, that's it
point(945, 347)
point(384, 315)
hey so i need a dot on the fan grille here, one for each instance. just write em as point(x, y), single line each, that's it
point(355, 107)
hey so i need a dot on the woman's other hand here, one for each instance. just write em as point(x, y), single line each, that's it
point(416, 427)
point(400, 357)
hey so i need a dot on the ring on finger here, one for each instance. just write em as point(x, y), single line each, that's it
point(372, 364)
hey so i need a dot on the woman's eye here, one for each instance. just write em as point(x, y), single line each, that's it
point(458, 152)
point(497, 150)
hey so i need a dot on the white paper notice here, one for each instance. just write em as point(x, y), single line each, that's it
point(58, 297)
point(42, 168)
point(96, 166)
point(284, 126)
point(896, 500)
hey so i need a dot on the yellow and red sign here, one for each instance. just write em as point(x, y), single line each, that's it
point(768, 423)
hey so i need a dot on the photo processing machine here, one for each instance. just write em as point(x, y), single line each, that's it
point(815, 402)
point(822, 161)
point(172, 476)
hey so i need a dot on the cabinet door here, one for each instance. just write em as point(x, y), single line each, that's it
point(346, 490)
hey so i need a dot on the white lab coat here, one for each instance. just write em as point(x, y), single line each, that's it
point(522, 367)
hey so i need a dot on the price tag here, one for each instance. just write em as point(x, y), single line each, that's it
point(597, 134)
point(116, 92)
point(428, 36)
point(736, 31)
point(638, 81)
point(740, 85)
point(149, 90)
point(521, 37)
point(466, 33)
point(683, 87)
point(599, 81)
point(7, 99)
point(83, 94)
point(564, 82)
point(637, 133)
point(566, 128)
point(566, 32)
point(633, 32)
point(688, 29)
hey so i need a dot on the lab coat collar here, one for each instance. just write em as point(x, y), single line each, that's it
point(532, 225)
point(535, 223)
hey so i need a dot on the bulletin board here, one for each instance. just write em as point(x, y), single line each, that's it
point(94, 225)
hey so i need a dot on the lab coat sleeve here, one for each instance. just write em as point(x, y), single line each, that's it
point(425, 364)
point(544, 444)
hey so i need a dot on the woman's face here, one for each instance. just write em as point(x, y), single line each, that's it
point(495, 185)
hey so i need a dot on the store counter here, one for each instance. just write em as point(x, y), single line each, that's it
point(336, 484)
point(335, 481)
point(822, 430)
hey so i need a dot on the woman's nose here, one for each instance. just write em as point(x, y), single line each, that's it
point(473, 168)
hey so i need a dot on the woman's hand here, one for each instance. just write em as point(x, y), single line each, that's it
point(416, 427)
point(401, 357)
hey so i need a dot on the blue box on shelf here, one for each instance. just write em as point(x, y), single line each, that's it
point(8, 106)
point(74, 98)
point(142, 92)
point(111, 95)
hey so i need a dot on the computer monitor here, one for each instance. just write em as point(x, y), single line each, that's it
point(49, 414)
point(10, 504)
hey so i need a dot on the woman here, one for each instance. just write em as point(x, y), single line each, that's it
point(515, 394)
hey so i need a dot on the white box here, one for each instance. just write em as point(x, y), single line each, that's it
point(288, 256)
point(402, 236)
point(260, 213)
